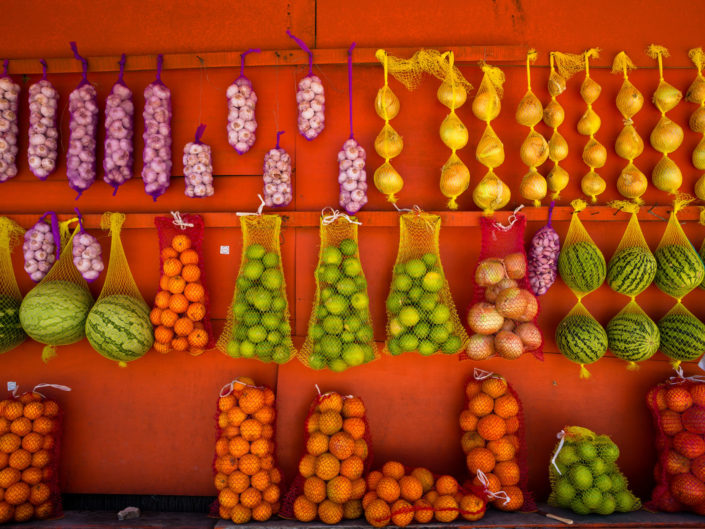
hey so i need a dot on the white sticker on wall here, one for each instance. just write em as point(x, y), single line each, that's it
point(225, 250)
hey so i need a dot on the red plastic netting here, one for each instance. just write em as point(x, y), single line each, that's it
point(503, 313)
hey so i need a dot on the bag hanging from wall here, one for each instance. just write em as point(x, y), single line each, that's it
point(43, 148)
point(119, 157)
point(542, 257)
point(242, 101)
point(156, 156)
point(198, 167)
point(11, 332)
point(42, 246)
point(277, 176)
point(310, 98)
point(87, 253)
point(9, 97)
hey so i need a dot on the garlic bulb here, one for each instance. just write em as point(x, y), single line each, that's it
point(39, 249)
point(352, 176)
point(87, 256)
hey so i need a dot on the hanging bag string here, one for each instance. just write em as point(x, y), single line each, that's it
point(481, 374)
point(499, 495)
point(258, 212)
point(84, 62)
point(680, 377)
point(199, 133)
point(160, 62)
point(561, 436)
point(55, 386)
point(44, 68)
point(80, 220)
point(513, 219)
point(179, 222)
point(303, 46)
point(550, 213)
point(242, 60)
point(121, 62)
point(279, 133)
point(350, 91)
point(335, 215)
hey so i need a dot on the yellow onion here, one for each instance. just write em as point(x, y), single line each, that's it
point(699, 155)
point(510, 303)
point(490, 150)
point(700, 188)
point(553, 114)
point(557, 179)
point(388, 143)
point(590, 90)
point(451, 96)
point(480, 347)
point(493, 291)
point(666, 96)
point(667, 136)
point(483, 318)
point(629, 100)
point(592, 185)
point(556, 84)
point(589, 123)
point(629, 144)
point(533, 187)
point(530, 111)
point(515, 264)
point(666, 175)
point(534, 150)
point(696, 91)
point(489, 272)
point(453, 132)
point(530, 336)
point(557, 147)
point(455, 179)
point(388, 181)
point(594, 154)
point(697, 121)
point(631, 183)
point(508, 345)
point(486, 105)
point(491, 193)
point(386, 99)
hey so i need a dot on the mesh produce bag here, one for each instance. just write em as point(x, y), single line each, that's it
point(9, 98)
point(181, 312)
point(247, 477)
point(338, 454)
point(503, 311)
point(696, 94)
point(42, 246)
point(553, 116)
point(276, 175)
point(119, 130)
point(542, 257)
point(242, 101)
point(632, 335)
point(257, 324)
point(340, 328)
point(156, 171)
point(585, 477)
point(494, 442)
point(310, 98)
point(11, 332)
point(632, 267)
point(198, 167)
point(421, 314)
point(42, 150)
point(581, 338)
point(87, 253)
point(594, 153)
point(681, 334)
point(118, 325)
point(29, 456)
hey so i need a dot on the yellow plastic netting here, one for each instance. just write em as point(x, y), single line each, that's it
point(632, 336)
point(421, 314)
point(682, 335)
point(11, 332)
point(257, 323)
point(340, 331)
point(696, 94)
point(553, 116)
point(581, 338)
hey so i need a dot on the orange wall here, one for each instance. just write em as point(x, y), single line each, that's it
point(149, 428)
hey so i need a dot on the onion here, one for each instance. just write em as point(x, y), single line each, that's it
point(553, 114)
point(455, 179)
point(533, 187)
point(453, 132)
point(490, 151)
point(483, 318)
point(480, 347)
point(515, 265)
point(629, 144)
point(557, 179)
point(697, 121)
point(589, 123)
point(666, 96)
point(508, 345)
point(388, 181)
point(532, 306)
point(510, 303)
point(592, 184)
point(387, 100)
point(590, 90)
point(594, 154)
point(489, 272)
point(530, 111)
point(557, 147)
point(534, 149)
point(666, 175)
point(452, 97)
point(486, 106)
point(629, 99)
point(666, 136)
point(508, 325)
point(556, 84)
point(700, 188)
point(530, 336)
point(696, 91)
point(631, 183)
point(388, 143)
point(699, 155)
point(493, 291)
point(491, 193)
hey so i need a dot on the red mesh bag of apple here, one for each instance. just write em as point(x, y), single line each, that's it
point(503, 312)
point(678, 409)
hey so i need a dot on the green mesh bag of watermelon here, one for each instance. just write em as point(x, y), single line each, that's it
point(257, 323)
point(632, 335)
point(581, 338)
point(118, 326)
point(11, 332)
point(682, 335)
point(585, 477)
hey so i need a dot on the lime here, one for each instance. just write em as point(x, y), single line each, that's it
point(578, 506)
point(327, 292)
point(580, 476)
point(284, 328)
point(331, 346)
point(394, 348)
point(429, 259)
point(348, 246)
point(257, 334)
point(352, 267)
point(592, 498)
point(427, 302)
point(369, 353)
point(280, 354)
point(408, 342)
point(333, 324)
point(564, 492)
point(317, 332)
point(274, 337)
point(415, 268)
point(270, 260)
point(337, 365)
point(608, 504)
point(321, 312)
point(261, 299)
point(432, 282)
point(240, 332)
point(278, 303)
point(415, 294)
point(421, 330)
point(401, 282)
point(609, 452)
point(618, 482)
point(451, 345)
point(233, 349)
point(347, 336)
point(353, 324)
point(598, 466)
point(427, 348)
point(346, 286)
point(395, 327)
point(255, 251)
point(625, 501)
point(603, 482)
point(365, 334)
point(316, 361)
point(395, 301)
point(336, 304)
point(360, 282)
point(253, 270)
point(587, 450)
point(440, 314)
point(242, 283)
point(360, 301)
point(408, 316)
point(353, 354)
point(272, 279)
point(561, 471)
point(399, 269)
point(250, 318)
point(247, 349)
point(330, 274)
point(270, 320)
point(239, 309)
point(439, 334)
point(568, 455)
point(331, 256)
point(264, 351)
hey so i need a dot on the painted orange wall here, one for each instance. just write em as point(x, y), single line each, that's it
point(149, 428)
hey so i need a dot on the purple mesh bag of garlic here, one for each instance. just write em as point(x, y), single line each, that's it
point(277, 176)
point(87, 253)
point(119, 131)
point(43, 148)
point(198, 167)
point(83, 128)
point(242, 100)
point(41, 247)
point(542, 257)
point(310, 98)
point(9, 97)
point(156, 171)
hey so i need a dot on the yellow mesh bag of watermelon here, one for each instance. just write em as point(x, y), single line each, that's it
point(118, 326)
point(421, 314)
point(682, 335)
point(581, 338)
point(696, 94)
point(244, 465)
point(257, 323)
point(340, 328)
point(553, 116)
point(585, 477)
point(11, 332)
point(632, 335)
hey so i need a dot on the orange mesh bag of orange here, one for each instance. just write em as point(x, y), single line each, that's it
point(247, 477)
point(180, 314)
point(330, 484)
point(493, 441)
point(30, 435)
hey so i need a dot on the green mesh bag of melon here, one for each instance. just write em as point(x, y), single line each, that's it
point(679, 267)
point(257, 323)
point(682, 335)
point(11, 332)
point(340, 328)
point(580, 263)
point(581, 338)
point(585, 477)
point(421, 314)
point(632, 335)
point(118, 325)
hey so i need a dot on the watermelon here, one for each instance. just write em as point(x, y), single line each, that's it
point(682, 336)
point(11, 332)
point(632, 336)
point(679, 271)
point(581, 339)
point(118, 328)
point(631, 270)
point(54, 313)
point(582, 266)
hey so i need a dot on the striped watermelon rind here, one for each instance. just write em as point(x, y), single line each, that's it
point(682, 336)
point(118, 328)
point(633, 337)
point(581, 339)
point(679, 269)
point(631, 270)
point(54, 313)
point(582, 266)
point(11, 332)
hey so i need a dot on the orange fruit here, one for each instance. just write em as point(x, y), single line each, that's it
point(516, 499)
point(196, 312)
point(269, 397)
point(20, 459)
point(167, 253)
point(9, 442)
point(388, 489)
point(512, 424)
point(678, 399)
point(9, 476)
point(191, 273)
point(352, 467)
point(226, 464)
point(262, 512)
point(327, 466)
point(494, 387)
point(312, 422)
point(355, 427)
point(410, 488)
point(514, 440)
point(172, 267)
point(260, 480)
point(472, 388)
point(331, 402)
point(238, 481)
point(402, 513)
point(250, 498)
point(503, 449)
point(353, 407)
point(307, 465)
point(17, 493)
point(226, 403)
point(238, 446)
point(275, 475)
point(250, 429)
point(39, 494)
point(423, 511)
point(21, 426)
point(224, 512)
point(425, 477)
point(181, 242)
point(378, 513)
point(697, 393)
point(13, 410)
point(43, 425)
point(506, 406)
point(446, 485)
point(491, 427)
point(339, 489)
point(493, 483)
point(168, 318)
point(265, 415)
point(24, 512)
point(195, 292)
point(481, 405)
point(271, 494)
point(220, 480)
point(161, 300)
point(267, 431)
point(670, 422)
point(676, 463)
point(446, 509)
point(4, 458)
point(317, 444)
point(164, 282)
point(155, 316)
point(480, 459)
point(47, 474)
point(468, 421)
point(472, 508)
point(162, 348)
point(341, 445)
point(373, 479)
point(33, 442)
point(176, 285)
point(33, 410)
point(315, 489)
point(44, 511)
point(183, 327)
point(250, 464)
point(4, 425)
point(330, 512)
point(368, 498)
point(236, 416)
point(222, 420)
point(240, 514)
point(189, 256)
point(393, 469)
point(330, 422)
point(32, 476)
point(359, 488)
point(689, 444)
point(507, 472)
point(304, 509)
point(261, 447)
point(251, 400)
point(7, 512)
point(163, 334)
point(178, 303)
point(471, 440)
point(352, 509)
point(361, 450)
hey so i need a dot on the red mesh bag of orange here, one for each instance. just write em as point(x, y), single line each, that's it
point(493, 441)
point(246, 474)
point(30, 435)
point(678, 410)
point(180, 314)
point(502, 315)
point(330, 483)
